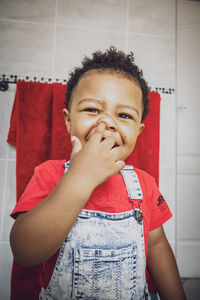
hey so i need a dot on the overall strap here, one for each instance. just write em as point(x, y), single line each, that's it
point(66, 165)
point(133, 188)
point(131, 181)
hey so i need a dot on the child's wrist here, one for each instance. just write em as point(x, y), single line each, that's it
point(82, 182)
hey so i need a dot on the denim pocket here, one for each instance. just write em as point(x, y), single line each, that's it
point(104, 273)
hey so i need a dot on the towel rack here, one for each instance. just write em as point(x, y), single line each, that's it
point(5, 80)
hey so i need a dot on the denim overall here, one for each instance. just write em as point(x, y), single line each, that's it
point(103, 256)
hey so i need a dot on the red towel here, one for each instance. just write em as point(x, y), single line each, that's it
point(145, 155)
point(38, 131)
point(33, 129)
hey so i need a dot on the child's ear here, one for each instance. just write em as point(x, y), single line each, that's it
point(67, 119)
point(141, 127)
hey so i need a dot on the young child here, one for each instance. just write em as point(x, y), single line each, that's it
point(93, 222)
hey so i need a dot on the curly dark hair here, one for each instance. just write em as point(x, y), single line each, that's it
point(115, 62)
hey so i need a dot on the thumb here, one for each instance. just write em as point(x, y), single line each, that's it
point(77, 146)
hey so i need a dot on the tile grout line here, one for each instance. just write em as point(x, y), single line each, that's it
point(54, 40)
point(176, 135)
point(142, 34)
point(25, 22)
point(8, 159)
point(127, 25)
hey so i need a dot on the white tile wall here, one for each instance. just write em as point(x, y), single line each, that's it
point(47, 38)
point(187, 12)
point(6, 265)
point(189, 65)
point(157, 58)
point(2, 188)
point(26, 49)
point(188, 138)
point(155, 17)
point(27, 10)
point(188, 205)
point(10, 199)
point(188, 258)
point(72, 44)
point(102, 15)
point(5, 104)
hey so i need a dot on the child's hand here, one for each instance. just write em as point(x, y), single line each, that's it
point(97, 159)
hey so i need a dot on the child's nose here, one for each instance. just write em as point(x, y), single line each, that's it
point(109, 121)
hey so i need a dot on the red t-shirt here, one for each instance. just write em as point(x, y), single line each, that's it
point(111, 196)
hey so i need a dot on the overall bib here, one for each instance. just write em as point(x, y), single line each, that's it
point(103, 257)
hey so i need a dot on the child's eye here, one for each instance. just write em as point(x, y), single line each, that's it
point(125, 116)
point(93, 110)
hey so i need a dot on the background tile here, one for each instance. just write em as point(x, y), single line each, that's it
point(28, 10)
point(5, 270)
point(71, 47)
point(26, 49)
point(10, 200)
point(155, 17)
point(192, 288)
point(6, 100)
point(188, 139)
point(188, 259)
point(2, 189)
point(93, 14)
point(188, 208)
point(188, 12)
point(156, 59)
point(11, 152)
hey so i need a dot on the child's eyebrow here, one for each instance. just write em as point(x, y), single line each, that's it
point(90, 100)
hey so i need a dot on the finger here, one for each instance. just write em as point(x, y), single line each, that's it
point(76, 143)
point(120, 164)
point(116, 153)
point(97, 132)
point(108, 142)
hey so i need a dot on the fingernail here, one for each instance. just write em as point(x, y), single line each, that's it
point(73, 138)
point(102, 124)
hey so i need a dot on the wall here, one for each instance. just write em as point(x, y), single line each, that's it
point(47, 38)
point(188, 142)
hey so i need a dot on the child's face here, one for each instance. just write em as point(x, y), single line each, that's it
point(115, 101)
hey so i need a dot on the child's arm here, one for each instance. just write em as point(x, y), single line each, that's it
point(39, 233)
point(162, 266)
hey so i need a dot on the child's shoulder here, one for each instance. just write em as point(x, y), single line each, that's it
point(50, 166)
point(143, 174)
point(148, 184)
point(145, 178)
